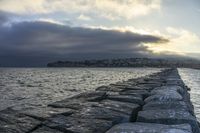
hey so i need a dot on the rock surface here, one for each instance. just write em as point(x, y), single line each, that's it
point(177, 105)
point(126, 98)
point(45, 129)
point(169, 117)
point(150, 128)
point(14, 122)
point(77, 125)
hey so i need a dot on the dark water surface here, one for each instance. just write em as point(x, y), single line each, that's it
point(191, 77)
point(30, 87)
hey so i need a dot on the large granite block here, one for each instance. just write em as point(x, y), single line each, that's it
point(168, 117)
point(77, 125)
point(177, 105)
point(45, 129)
point(12, 121)
point(109, 88)
point(150, 128)
point(175, 82)
point(103, 114)
point(169, 88)
point(42, 113)
point(165, 97)
point(126, 98)
point(122, 107)
point(94, 96)
point(72, 104)
point(143, 93)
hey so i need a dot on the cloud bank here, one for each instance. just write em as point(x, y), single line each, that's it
point(38, 42)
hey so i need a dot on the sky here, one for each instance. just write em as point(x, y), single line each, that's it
point(33, 33)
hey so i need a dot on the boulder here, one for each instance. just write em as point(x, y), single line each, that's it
point(143, 93)
point(45, 129)
point(149, 85)
point(109, 88)
point(169, 117)
point(175, 82)
point(138, 87)
point(12, 121)
point(165, 97)
point(77, 125)
point(169, 88)
point(150, 128)
point(121, 85)
point(129, 94)
point(122, 107)
point(42, 113)
point(102, 113)
point(72, 104)
point(177, 105)
point(126, 98)
point(95, 96)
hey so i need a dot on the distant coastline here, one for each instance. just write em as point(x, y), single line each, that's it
point(129, 62)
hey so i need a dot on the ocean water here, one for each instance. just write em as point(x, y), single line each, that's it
point(30, 87)
point(191, 78)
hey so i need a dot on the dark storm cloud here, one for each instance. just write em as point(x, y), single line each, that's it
point(36, 43)
point(3, 18)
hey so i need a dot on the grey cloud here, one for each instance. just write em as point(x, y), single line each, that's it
point(3, 18)
point(36, 43)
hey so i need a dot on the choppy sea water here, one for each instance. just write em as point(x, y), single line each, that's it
point(39, 86)
point(191, 77)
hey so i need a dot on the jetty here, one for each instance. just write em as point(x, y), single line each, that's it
point(157, 103)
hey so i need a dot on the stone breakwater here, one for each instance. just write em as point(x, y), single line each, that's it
point(158, 103)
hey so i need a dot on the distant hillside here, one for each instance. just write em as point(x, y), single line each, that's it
point(129, 62)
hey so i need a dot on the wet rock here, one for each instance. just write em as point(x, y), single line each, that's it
point(43, 113)
point(138, 87)
point(129, 94)
point(178, 105)
point(175, 81)
point(44, 129)
point(102, 113)
point(109, 88)
point(150, 128)
point(157, 81)
point(122, 86)
point(122, 107)
point(72, 104)
point(131, 82)
point(143, 93)
point(182, 91)
point(166, 89)
point(13, 122)
point(164, 97)
point(126, 98)
point(76, 125)
point(150, 82)
point(90, 96)
point(168, 117)
point(149, 86)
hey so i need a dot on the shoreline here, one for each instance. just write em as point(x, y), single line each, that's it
point(155, 102)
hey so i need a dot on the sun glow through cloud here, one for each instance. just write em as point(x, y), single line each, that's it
point(181, 42)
